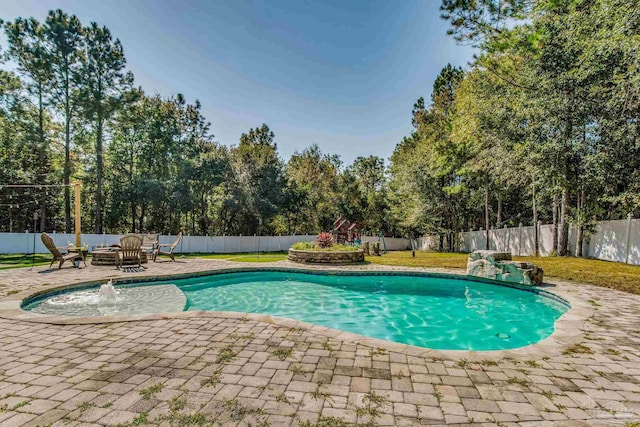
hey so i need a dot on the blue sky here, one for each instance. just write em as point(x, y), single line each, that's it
point(340, 73)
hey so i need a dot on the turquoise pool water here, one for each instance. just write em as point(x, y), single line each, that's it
point(438, 313)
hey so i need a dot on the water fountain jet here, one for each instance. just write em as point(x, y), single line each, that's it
point(107, 293)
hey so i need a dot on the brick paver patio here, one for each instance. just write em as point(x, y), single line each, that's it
point(212, 369)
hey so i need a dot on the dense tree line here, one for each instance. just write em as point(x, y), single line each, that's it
point(70, 111)
point(543, 125)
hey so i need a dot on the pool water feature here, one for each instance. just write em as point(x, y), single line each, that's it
point(434, 312)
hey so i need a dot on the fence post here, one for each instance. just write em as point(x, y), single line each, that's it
point(538, 236)
point(628, 247)
point(508, 230)
point(490, 237)
point(519, 239)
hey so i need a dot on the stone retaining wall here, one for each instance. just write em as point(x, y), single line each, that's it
point(326, 257)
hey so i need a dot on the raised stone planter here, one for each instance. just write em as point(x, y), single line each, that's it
point(499, 266)
point(326, 257)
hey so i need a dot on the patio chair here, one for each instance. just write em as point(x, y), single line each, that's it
point(57, 255)
point(167, 248)
point(130, 249)
point(149, 242)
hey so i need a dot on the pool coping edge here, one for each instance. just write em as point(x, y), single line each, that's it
point(568, 329)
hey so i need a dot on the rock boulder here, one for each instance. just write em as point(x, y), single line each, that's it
point(499, 266)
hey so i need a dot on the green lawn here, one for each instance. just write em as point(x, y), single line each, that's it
point(244, 257)
point(22, 260)
point(601, 273)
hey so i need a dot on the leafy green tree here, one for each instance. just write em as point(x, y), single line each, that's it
point(314, 176)
point(259, 173)
point(104, 83)
point(426, 166)
point(63, 36)
point(371, 176)
point(477, 21)
point(27, 47)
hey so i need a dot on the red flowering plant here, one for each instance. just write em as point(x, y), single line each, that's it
point(325, 240)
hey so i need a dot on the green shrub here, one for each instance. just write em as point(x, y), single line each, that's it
point(313, 246)
point(305, 246)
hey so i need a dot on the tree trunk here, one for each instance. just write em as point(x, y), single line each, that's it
point(67, 158)
point(133, 203)
point(204, 218)
point(42, 160)
point(133, 217)
point(536, 238)
point(499, 213)
point(486, 216)
point(564, 224)
point(554, 230)
point(99, 167)
point(564, 207)
point(581, 203)
point(141, 219)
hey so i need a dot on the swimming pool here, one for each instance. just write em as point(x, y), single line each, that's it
point(420, 310)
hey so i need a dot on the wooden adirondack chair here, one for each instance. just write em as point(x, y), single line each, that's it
point(130, 249)
point(149, 242)
point(167, 248)
point(57, 255)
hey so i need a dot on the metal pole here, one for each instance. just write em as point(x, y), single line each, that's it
point(76, 187)
point(33, 255)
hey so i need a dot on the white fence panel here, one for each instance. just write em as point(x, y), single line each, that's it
point(477, 239)
point(611, 239)
point(27, 242)
point(526, 240)
point(427, 243)
point(392, 243)
point(617, 240)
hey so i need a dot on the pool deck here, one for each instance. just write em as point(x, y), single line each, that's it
point(200, 368)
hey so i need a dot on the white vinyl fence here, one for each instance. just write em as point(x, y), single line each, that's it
point(12, 243)
point(612, 241)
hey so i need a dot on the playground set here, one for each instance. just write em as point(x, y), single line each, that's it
point(346, 232)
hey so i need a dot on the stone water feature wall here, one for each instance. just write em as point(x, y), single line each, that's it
point(499, 266)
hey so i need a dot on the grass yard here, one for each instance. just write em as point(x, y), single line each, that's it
point(601, 273)
point(22, 260)
point(244, 257)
